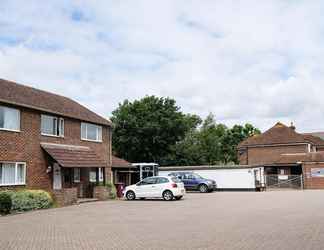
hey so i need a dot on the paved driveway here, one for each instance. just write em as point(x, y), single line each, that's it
point(223, 220)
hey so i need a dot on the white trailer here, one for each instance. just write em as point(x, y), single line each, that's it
point(226, 177)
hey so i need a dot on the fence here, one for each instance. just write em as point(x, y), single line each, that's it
point(284, 181)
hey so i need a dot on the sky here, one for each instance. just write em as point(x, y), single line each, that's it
point(245, 61)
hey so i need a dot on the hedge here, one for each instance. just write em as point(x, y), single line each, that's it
point(26, 200)
point(5, 203)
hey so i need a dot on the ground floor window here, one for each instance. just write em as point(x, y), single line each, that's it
point(76, 174)
point(12, 174)
point(92, 176)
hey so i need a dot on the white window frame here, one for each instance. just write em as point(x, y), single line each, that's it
point(19, 120)
point(16, 183)
point(59, 124)
point(99, 132)
point(76, 175)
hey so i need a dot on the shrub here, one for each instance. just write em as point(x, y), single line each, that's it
point(5, 203)
point(26, 200)
point(111, 189)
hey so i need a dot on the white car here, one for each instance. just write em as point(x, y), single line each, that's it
point(168, 188)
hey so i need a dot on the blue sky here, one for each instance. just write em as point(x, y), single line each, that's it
point(245, 61)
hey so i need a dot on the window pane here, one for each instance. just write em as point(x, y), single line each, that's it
point(83, 131)
point(21, 173)
point(76, 174)
point(8, 173)
point(91, 132)
point(47, 125)
point(1, 117)
point(99, 133)
point(9, 118)
point(61, 128)
point(92, 176)
point(0, 173)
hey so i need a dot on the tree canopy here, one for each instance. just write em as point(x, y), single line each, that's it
point(154, 129)
point(146, 129)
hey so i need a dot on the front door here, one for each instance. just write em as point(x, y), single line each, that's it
point(57, 177)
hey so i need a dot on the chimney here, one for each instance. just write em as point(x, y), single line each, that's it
point(292, 126)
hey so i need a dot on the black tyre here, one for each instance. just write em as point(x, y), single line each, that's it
point(167, 195)
point(178, 197)
point(203, 188)
point(130, 195)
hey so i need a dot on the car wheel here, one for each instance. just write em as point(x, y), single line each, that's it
point(178, 197)
point(130, 195)
point(203, 188)
point(167, 195)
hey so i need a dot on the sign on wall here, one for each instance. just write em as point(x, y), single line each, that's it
point(317, 172)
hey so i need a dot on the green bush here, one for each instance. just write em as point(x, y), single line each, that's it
point(113, 191)
point(5, 203)
point(26, 200)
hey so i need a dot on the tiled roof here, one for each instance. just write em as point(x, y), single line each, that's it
point(70, 156)
point(281, 134)
point(120, 163)
point(13, 93)
point(300, 157)
point(314, 138)
point(318, 134)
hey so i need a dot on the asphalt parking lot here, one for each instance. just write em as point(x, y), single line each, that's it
point(219, 220)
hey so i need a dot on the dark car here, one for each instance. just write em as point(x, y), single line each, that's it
point(193, 181)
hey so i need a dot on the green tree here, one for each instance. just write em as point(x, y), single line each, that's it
point(147, 129)
point(211, 144)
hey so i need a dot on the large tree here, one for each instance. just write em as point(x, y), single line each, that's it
point(147, 129)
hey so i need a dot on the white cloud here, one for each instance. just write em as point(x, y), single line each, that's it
point(245, 61)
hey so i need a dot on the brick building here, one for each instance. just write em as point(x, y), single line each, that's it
point(283, 152)
point(51, 142)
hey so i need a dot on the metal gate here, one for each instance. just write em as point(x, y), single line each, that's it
point(284, 181)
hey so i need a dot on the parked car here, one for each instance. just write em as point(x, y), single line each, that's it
point(193, 181)
point(168, 188)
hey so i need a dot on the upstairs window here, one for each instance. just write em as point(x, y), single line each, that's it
point(9, 118)
point(91, 132)
point(52, 126)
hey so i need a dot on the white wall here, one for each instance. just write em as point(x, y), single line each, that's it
point(227, 178)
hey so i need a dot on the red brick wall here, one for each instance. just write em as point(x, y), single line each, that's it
point(24, 146)
point(266, 155)
point(309, 181)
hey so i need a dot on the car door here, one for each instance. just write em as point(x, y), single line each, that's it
point(144, 189)
point(159, 187)
point(191, 182)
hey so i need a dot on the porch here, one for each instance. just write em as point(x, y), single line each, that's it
point(76, 172)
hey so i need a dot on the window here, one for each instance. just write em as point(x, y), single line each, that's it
point(9, 118)
point(101, 174)
point(76, 174)
point(92, 176)
point(12, 174)
point(161, 180)
point(148, 181)
point(51, 125)
point(91, 132)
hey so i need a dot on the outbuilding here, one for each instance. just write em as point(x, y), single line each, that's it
point(227, 177)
